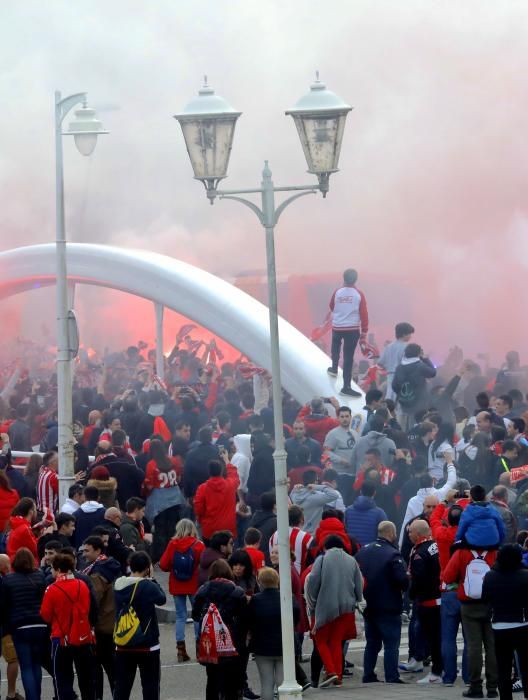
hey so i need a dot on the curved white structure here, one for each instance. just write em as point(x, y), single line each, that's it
point(217, 305)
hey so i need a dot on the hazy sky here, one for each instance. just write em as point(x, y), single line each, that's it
point(433, 181)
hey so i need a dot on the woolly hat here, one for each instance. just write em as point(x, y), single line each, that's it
point(100, 473)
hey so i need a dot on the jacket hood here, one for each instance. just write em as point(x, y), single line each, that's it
point(91, 506)
point(103, 485)
point(125, 581)
point(261, 517)
point(16, 521)
point(363, 503)
point(481, 511)
point(329, 526)
point(208, 557)
point(409, 360)
point(219, 590)
point(242, 444)
point(182, 544)
point(216, 484)
point(374, 438)
point(109, 569)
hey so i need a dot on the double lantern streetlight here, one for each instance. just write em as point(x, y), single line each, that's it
point(85, 128)
point(208, 125)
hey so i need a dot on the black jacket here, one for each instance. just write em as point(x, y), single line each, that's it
point(262, 472)
point(116, 547)
point(148, 594)
point(20, 599)
point(196, 467)
point(411, 379)
point(266, 522)
point(231, 602)
point(506, 594)
point(129, 478)
point(424, 566)
point(385, 577)
point(264, 622)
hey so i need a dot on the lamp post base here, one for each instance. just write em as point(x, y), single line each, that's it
point(290, 691)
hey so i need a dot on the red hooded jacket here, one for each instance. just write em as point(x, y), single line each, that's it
point(327, 527)
point(215, 503)
point(20, 535)
point(455, 571)
point(182, 544)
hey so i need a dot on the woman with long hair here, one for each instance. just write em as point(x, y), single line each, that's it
point(21, 595)
point(163, 495)
point(225, 679)
point(442, 443)
point(242, 568)
point(182, 559)
point(31, 474)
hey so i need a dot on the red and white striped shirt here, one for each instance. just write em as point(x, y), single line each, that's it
point(300, 542)
point(48, 490)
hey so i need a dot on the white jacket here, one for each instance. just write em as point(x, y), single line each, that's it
point(415, 505)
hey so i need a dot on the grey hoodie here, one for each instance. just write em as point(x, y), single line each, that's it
point(371, 440)
point(312, 501)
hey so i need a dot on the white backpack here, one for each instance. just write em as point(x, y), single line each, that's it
point(476, 570)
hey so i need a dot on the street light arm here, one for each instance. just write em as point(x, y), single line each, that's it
point(249, 204)
point(282, 206)
point(63, 106)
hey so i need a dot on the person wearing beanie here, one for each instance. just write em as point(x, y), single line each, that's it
point(105, 484)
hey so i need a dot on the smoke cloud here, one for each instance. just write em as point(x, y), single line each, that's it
point(430, 199)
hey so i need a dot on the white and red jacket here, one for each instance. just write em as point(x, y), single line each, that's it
point(349, 310)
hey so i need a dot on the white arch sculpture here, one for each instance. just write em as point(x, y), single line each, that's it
point(215, 304)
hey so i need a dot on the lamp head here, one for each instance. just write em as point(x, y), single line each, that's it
point(208, 126)
point(85, 128)
point(320, 118)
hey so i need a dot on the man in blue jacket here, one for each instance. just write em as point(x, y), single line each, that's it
point(480, 525)
point(363, 516)
point(386, 579)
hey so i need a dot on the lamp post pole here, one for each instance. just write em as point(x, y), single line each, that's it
point(208, 125)
point(82, 130)
point(268, 216)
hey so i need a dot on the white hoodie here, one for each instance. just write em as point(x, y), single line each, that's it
point(242, 459)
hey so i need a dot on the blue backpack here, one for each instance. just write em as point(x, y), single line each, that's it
point(183, 564)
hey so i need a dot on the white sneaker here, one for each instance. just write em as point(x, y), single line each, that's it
point(412, 666)
point(430, 678)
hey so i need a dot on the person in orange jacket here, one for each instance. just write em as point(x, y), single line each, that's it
point(215, 500)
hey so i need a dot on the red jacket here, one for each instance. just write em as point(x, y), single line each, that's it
point(455, 571)
point(21, 535)
point(443, 534)
point(58, 610)
point(215, 503)
point(8, 500)
point(182, 544)
point(317, 426)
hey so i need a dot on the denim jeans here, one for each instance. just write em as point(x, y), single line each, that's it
point(180, 605)
point(418, 648)
point(382, 629)
point(29, 644)
point(451, 621)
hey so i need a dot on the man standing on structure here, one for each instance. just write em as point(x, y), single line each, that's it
point(349, 326)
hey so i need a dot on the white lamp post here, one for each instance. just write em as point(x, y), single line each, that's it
point(208, 125)
point(84, 128)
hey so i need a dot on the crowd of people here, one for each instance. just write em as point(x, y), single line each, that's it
point(411, 511)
